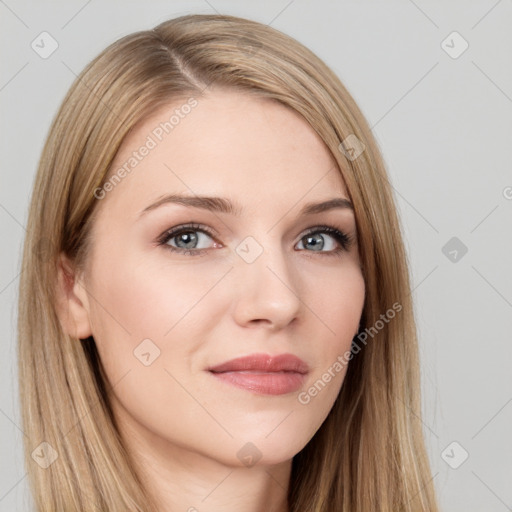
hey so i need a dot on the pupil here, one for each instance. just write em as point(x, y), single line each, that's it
point(317, 241)
point(189, 238)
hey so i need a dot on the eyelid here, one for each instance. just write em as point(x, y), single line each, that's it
point(344, 239)
point(192, 226)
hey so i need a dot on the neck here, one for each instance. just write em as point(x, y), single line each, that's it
point(182, 480)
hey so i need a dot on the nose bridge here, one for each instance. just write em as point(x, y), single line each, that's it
point(269, 290)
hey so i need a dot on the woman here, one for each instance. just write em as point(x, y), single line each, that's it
point(215, 311)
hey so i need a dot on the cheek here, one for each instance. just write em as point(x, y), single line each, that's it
point(134, 301)
point(337, 300)
point(337, 303)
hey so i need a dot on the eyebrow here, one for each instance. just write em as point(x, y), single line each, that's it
point(224, 205)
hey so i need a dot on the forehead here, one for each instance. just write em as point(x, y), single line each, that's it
point(227, 143)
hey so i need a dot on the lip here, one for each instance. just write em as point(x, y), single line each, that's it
point(263, 373)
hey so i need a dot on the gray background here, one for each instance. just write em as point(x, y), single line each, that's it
point(444, 125)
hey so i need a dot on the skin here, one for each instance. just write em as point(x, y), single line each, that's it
point(183, 426)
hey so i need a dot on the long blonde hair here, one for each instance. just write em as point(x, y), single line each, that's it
point(369, 454)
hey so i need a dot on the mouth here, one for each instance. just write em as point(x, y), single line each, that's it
point(263, 374)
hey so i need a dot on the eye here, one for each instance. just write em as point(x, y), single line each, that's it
point(186, 239)
point(316, 240)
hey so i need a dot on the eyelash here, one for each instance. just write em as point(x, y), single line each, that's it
point(342, 238)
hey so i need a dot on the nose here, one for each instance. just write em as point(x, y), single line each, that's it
point(268, 291)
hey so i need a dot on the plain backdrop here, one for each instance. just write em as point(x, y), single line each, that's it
point(434, 79)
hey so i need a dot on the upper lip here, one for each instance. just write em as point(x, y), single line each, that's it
point(263, 363)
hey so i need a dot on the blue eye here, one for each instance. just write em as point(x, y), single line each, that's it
point(317, 240)
point(186, 238)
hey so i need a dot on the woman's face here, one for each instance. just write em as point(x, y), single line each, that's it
point(265, 278)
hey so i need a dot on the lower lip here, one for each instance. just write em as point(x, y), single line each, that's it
point(272, 383)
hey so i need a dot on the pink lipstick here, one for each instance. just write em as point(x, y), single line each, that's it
point(263, 373)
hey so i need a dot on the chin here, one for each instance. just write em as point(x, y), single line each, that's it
point(261, 451)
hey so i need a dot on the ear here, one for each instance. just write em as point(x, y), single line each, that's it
point(72, 301)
